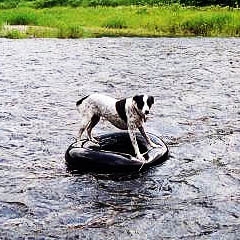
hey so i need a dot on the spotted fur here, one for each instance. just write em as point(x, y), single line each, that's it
point(126, 114)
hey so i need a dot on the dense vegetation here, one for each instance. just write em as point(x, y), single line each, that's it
point(113, 3)
point(92, 18)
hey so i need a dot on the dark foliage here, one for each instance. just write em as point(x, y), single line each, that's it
point(114, 3)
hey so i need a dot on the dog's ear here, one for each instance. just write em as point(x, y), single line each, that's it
point(139, 101)
point(137, 98)
point(150, 100)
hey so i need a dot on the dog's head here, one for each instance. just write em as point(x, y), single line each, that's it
point(143, 104)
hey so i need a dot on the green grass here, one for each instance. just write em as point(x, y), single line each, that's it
point(205, 24)
point(5, 4)
point(170, 20)
point(115, 22)
point(1, 26)
point(20, 17)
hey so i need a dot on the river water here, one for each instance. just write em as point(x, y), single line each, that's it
point(195, 194)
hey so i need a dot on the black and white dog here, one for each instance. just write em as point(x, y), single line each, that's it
point(126, 114)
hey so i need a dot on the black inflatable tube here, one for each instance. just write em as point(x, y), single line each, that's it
point(114, 154)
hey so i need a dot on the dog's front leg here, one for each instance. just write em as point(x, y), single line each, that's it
point(142, 131)
point(131, 129)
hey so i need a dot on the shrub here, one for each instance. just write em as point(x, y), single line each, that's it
point(95, 3)
point(49, 3)
point(75, 31)
point(70, 31)
point(142, 11)
point(8, 4)
point(75, 3)
point(233, 28)
point(14, 34)
point(205, 24)
point(116, 22)
point(21, 18)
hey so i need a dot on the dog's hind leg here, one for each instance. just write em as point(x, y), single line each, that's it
point(80, 132)
point(94, 121)
point(84, 123)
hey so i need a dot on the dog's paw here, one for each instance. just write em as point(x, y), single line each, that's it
point(95, 144)
point(93, 140)
point(78, 139)
point(141, 158)
point(153, 145)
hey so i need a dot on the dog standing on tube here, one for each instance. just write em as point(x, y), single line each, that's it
point(126, 114)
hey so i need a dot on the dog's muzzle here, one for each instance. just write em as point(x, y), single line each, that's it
point(142, 115)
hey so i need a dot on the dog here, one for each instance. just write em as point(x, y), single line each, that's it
point(126, 114)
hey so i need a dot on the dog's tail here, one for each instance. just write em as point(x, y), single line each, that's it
point(79, 102)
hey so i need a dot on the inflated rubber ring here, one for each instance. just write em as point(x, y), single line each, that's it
point(115, 153)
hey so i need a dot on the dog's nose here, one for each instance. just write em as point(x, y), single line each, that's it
point(146, 112)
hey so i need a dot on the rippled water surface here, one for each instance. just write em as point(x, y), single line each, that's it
point(195, 194)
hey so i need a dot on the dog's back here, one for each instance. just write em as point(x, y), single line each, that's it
point(98, 104)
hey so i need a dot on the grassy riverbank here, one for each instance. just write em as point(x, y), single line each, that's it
point(67, 22)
